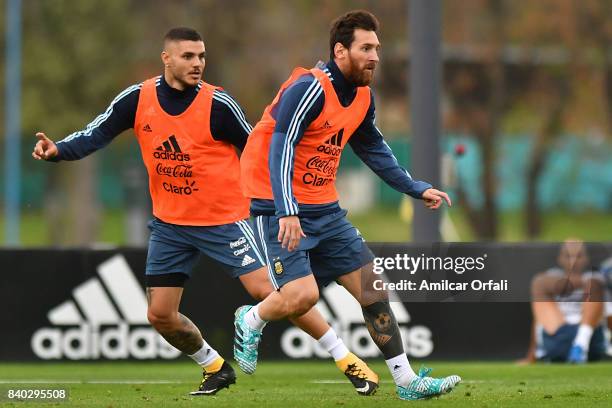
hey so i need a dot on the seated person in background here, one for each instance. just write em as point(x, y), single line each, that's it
point(568, 309)
point(606, 270)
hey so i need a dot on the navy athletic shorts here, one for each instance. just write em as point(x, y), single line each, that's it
point(174, 249)
point(333, 247)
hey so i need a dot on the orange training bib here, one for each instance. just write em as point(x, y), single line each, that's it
point(193, 178)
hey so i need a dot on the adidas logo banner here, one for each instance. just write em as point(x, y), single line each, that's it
point(90, 304)
point(344, 314)
point(106, 317)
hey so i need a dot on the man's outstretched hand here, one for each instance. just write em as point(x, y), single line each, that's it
point(433, 198)
point(45, 148)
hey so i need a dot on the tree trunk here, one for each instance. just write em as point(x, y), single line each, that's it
point(73, 218)
point(84, 203)
point(549, 131)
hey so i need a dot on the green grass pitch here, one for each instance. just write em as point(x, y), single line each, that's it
point(307, 384)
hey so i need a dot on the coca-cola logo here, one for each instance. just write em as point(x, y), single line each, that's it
point(179, 170)
point(325, 166)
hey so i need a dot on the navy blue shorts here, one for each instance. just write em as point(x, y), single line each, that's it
point(176, 248)
point(556, 347)
point(333, 247)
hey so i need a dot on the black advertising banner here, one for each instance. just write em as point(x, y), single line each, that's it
point(84, 304)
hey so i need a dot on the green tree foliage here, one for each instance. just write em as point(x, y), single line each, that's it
point(75, 60)
point(505, 63)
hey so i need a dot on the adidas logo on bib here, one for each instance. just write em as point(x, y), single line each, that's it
point(170, 150)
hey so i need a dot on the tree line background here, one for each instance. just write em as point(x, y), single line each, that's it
point(538, 68)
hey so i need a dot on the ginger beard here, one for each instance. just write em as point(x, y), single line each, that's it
point(360, 74)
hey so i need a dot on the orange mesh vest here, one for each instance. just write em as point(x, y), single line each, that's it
point(317, 155)
point(193, 178)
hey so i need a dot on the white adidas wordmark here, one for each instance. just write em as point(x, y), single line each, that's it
point(96, 327)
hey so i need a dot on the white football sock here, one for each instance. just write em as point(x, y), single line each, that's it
point(333, 344)
point(205, 355)
point(583, 336)
point(253, 320)
point(400, 370)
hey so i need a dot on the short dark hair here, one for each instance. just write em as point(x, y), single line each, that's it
point(343, 28)
point(182, 34)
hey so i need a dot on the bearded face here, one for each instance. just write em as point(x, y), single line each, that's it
point(358, 62)
point(360, 73)
point(184, 63)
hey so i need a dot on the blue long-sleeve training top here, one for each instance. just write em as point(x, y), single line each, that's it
point(305, 96)
point(227, 120)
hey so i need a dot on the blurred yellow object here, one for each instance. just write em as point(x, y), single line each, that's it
point(405, 209)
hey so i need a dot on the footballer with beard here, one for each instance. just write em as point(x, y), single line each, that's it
point(288, 169)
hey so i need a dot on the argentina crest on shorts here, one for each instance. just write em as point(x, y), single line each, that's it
point(277, 266)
